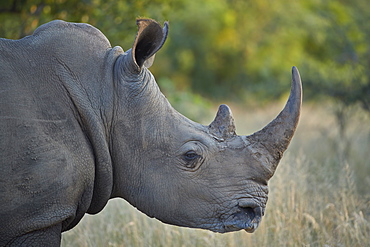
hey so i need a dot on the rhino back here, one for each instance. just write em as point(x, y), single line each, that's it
point(53, 87)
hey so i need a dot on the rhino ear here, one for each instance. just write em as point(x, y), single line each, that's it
point(150, 38)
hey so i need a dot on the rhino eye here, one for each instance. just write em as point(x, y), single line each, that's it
point(191, 159)
point(190, 156)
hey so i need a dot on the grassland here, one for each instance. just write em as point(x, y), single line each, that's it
point(319, 196)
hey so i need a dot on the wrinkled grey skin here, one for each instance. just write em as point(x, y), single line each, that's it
point(81, 122)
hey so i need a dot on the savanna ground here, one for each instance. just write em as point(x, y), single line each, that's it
point(319, 195)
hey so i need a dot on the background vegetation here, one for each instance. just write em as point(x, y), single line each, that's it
point(231, 48)
point(241, 51)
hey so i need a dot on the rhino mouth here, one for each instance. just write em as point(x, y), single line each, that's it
point(245, 218)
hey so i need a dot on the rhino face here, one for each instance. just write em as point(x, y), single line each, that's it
point(182, 172)
point(218, 186)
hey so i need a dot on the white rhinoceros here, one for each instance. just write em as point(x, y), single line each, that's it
point(82, 122)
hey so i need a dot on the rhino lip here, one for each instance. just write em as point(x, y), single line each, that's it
point(247, 217)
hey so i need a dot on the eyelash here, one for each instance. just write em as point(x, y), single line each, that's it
point(190, 155)
point(191, 158)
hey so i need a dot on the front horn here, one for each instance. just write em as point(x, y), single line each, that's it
point(269, 144)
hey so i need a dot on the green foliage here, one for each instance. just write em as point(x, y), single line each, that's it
point(238, 49)
point(340, 58)
point(191, 104)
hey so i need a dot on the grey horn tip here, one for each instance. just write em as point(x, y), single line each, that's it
point(223, 126)
point(224, 110)
point(296, 90)
point(295, 74)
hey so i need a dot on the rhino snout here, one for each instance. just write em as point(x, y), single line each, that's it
point(256, 217)
point(247, 217)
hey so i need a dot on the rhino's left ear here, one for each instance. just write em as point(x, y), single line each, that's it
point(150, 38)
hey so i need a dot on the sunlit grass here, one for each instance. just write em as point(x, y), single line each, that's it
point(319, 196)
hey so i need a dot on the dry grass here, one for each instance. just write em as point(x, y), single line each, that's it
point(319, 195)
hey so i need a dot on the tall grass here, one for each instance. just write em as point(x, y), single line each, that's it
point(319, 196)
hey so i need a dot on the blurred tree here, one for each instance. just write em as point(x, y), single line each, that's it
point(341, 57)
point(224, 48)
point(21, 17)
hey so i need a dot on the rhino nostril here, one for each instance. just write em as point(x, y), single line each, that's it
point(251, 207)
point(259, 211)
point(248, 211)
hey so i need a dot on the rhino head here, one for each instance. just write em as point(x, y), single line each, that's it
point(182, 172)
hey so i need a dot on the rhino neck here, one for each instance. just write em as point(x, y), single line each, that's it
point(140, 118)
point(93, 101)
point(137, 94)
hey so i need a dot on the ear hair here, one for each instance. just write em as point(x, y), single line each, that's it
point(149, 39)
